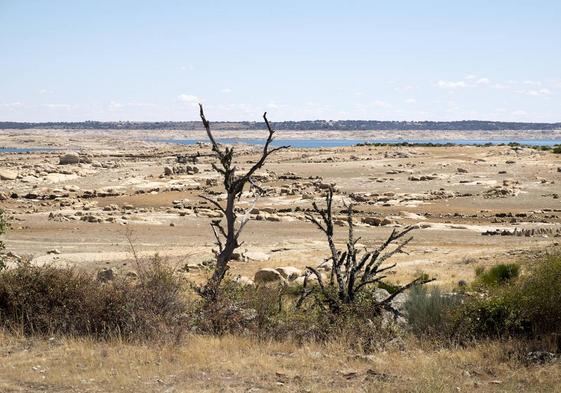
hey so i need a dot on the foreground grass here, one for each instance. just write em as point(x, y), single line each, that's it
point(210, 364)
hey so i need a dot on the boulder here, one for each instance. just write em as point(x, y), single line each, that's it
point(256, 256)
point(373, 221)
point(105, 275)
point(69, 159)
point(289, 273)
point(6, 174)
point(268, 276)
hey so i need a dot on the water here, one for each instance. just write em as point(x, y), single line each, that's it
point(317, 143)
point(25, 149)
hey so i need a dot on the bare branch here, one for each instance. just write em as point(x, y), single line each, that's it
point(417, 281)
point(215, 203)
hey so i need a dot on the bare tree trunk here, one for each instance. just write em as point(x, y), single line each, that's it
point(227, 238)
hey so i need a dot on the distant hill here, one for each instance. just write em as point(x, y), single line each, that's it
point(344, 125)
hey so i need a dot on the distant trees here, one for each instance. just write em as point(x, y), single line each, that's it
point(342, 125)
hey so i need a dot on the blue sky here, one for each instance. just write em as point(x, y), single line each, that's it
point(74, 60)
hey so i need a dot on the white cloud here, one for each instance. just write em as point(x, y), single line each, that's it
point(380, 104)
point(482, 81)
point(532, 83)
point(58, 106)
point(500, 86)
point(118, 106)
point(539, 93)
point(410, 101)
point(188, 98)
point(451, 84)
point(226, 91)
point(12, 105)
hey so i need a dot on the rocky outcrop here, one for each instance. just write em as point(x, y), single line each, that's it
point(69, 159)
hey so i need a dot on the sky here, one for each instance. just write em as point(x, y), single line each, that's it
point(112, 60)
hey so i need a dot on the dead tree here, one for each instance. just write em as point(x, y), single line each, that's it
point(351, 272)
point(227, 238)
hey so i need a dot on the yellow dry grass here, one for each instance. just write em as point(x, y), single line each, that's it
point(234, 364)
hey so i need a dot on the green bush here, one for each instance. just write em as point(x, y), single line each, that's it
point(497, 275)
point(557, 149)
point(530, 307)
point(429, 311)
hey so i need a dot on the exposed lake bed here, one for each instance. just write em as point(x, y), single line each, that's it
point(132, 180)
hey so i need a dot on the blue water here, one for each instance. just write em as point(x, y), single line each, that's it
point(317, 143)
point(25, 149)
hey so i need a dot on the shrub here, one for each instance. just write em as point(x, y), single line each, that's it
point(51, 300)
point(269, 313)
point(497, 275)
point(3, 227)
point(429, 311)
point(557, 149)
point(530, 307)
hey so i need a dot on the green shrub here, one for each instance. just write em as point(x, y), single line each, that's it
point(530, 307)
point(429, 311)
point(497, 275)
point(557, 149)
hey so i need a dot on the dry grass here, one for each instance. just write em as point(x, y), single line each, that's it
point(231, 364)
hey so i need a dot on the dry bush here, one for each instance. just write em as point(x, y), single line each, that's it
point(269, 313)
point(51, 300)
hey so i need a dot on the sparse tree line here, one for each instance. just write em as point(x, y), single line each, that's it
point(339, 125)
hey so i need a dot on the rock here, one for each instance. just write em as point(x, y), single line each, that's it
point(53, 251)
point(411, 216)
point(462, 170)
point(373, 221)
point(86, 159)
point(290, 273)
point(398, 303)
point(268, 276)
point(105, 275)
point(256, 256)
point(6, 174)
point(386, 221)
point(69, 159)
point(540, 357)
point(168, 171)
point(244, 281)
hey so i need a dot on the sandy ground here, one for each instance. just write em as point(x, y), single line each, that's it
point(86, 213)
